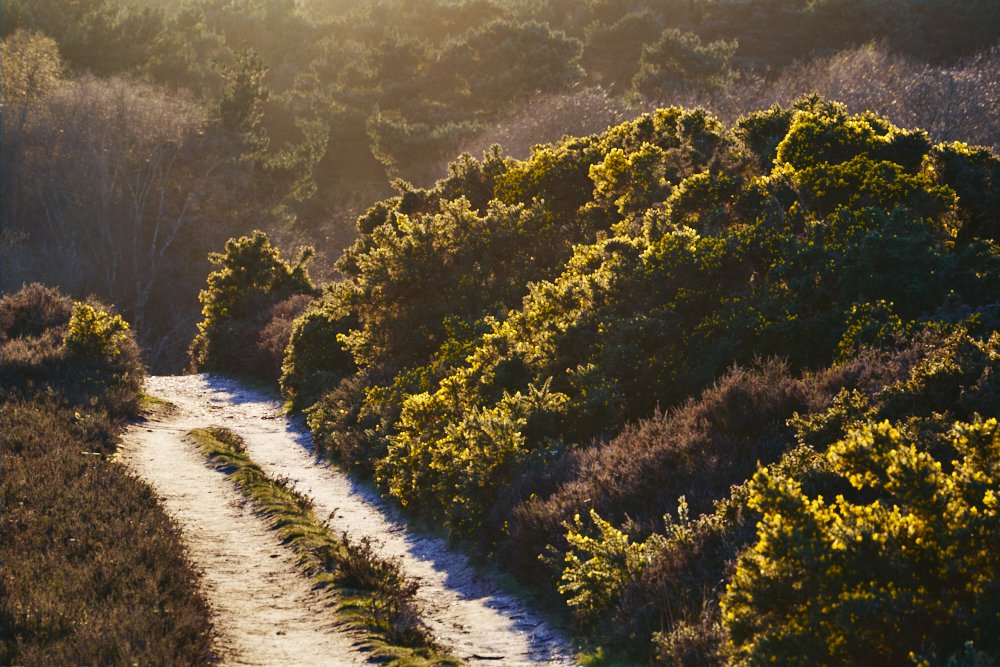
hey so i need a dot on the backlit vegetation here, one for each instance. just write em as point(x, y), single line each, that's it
point(666, 355)
point(139, 135)
point(709, 301)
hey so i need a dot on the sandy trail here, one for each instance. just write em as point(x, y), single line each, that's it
point(465, 612)
point(265, 611)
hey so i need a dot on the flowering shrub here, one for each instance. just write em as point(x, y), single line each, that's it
point(906, 568)
point(95, 334)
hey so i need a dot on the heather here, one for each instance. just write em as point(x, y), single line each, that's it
point(92, 567)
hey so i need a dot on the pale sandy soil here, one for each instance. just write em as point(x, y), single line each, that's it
point(265, 611)
point(464, 610)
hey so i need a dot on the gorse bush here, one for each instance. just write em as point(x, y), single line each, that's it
point(473, 455)
point(80, 350)
point(317, 358)
point(95, 335)
point(166, 132)
point(240, 303)
point(904, 570)
point(598, 569)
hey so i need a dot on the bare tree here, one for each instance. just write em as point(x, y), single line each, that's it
point(121, 190)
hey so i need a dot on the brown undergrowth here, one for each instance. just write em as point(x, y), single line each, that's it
point(92, 571)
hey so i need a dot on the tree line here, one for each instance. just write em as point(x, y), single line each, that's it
point(216, 117)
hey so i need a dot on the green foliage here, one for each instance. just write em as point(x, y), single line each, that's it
point(316, 358)
point(631, 183)
point(458, 470)
point(103, 36)
point(870, 325)
point(250, 280)
point(241, 105)
point(599, 568)
point(678, 59)
point(80, 351)
point(405, 148)
point(905, 570)
point(666, 263)
point(973, 174)
point(95, 335)
point(760, 132)
point(612, 52)
point(824, 132)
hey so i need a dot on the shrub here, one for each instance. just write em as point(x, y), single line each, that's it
point(504, 386)
point(103, 358)
point(457, 471)
point(973, 172)
point(80, 350)
point(343, 427)
point(315, 358)
point(504, 61)
point(32, 310)
point(681, 59)
point(91, 568)
point(94, 335)
point(250, 280)
point(274, 338)
point(598, 569)
point(905, 569)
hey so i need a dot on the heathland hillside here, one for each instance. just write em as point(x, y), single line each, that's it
point(728, 392)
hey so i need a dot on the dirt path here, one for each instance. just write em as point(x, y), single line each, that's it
point(465, 612)
point(266, 612)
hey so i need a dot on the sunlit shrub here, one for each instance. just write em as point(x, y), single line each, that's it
point(457, 470)
point(598, 569)
point(250, 280)
point(906, 569)
point(95, 335)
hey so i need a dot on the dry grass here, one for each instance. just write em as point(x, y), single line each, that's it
point(91, 568)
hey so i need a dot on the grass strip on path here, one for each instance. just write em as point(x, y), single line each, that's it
point(370, 594)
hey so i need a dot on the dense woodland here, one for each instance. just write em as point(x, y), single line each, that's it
point(705, 352)
point(139, 135)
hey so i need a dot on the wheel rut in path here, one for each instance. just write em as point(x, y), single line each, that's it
point(264, 611)
point(465, 611)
